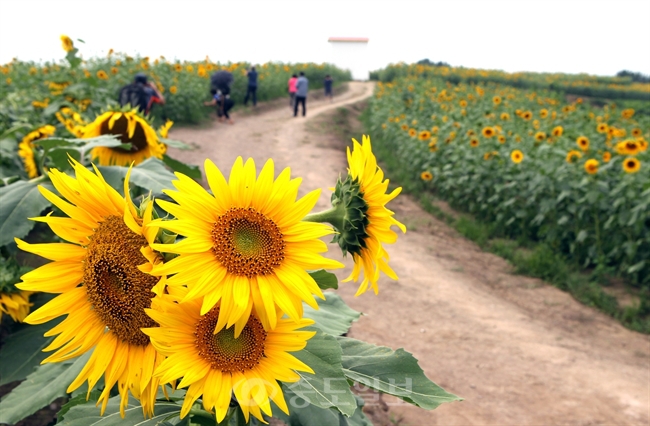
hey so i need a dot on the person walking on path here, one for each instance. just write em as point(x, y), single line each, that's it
point(328, 87)
point(302, 87)
point(141, 94)
point(252, 86)
point(223, 103)
point(292, 90)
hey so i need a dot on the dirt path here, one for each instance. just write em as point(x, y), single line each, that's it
point(519, 351)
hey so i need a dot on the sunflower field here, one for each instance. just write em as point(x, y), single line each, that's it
point(529, 163)
point(132, 295)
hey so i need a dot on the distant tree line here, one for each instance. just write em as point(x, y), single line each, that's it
point(635, 76)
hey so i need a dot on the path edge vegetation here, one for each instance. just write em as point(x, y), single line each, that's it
point(528, 258)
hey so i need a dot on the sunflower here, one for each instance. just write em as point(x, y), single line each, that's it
point(370, 257)
point(628, 147)
point(517, 156)
point(129, 128)
point(384, 126)
point(164, 129)
point(114, 70)
point(246, 245)
point(557, 131)
point(527, 115)
point(543, 113)
point(15, 304)
point(643, 144)
point(607, 156)
point(66, 43)
point(435, 129)
point(591, 166)
point(404, 127)
point(631, 165)
point(103, 290)
point(216, 365)
point(488, 132)
point(426, 176)
point(627, 113)
point(433, 144)
point(505, 116)
point(473, 143)
point(573, 156)
point(583, 143)
point(101, 74)
point(412, 132)
point(470, 132)
point(496, 100)
point(540, 136)
point(463, 103)
point(487, 156)
point(424, 135)
point(502, 139)
point(178, 67)
point(26, 148)
point(602, 128)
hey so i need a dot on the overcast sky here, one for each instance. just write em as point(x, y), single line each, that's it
point(596, 37)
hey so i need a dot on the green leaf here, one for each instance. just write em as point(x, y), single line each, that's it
point(88, 414)
point(83, 144)
point(43, 386)
point(325, 279)
point(151, 174)
point(192, 171)
point(333, 316)
point(302, 413)
point(18, 202)
point(393, 372)
point(176, 144)
point(79, 399)
point(29, 342)
point(328, 387)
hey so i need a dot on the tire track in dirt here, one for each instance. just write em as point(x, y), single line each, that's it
point(518, 350)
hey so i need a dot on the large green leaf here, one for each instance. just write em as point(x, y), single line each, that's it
point(82, 144)
point(47, 383)
point(393, 372)
point(176, 144)
point(328, 387)
point(192, 171)
point(151, 174)
point(302, 413)
point(325, 279)
point(333, 316)
point(88, 414)
point(22, 351)
point(18, 202)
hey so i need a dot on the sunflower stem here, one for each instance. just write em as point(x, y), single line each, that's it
point(334, 216)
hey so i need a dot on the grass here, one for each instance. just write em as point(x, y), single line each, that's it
point(527, 257)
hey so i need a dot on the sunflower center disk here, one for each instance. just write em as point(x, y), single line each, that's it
point(223, 351)
point(247, 243)
point(120, 129)
point(118, 291)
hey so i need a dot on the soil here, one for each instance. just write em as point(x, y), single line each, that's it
point(519, 351)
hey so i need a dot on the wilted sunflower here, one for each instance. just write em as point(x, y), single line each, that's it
point(368, 253)
point(15, 304)
point(557, 131)
point(424, 135)
point(473, 143)
point(631, 165)
point(66, 43)
point(26, 149)
point(602, 128)
point(102, 289)
point(583, 143)
point(517, 156)
point(540, 136)
point(488, 132)
point(426, 176)
point(573, 156)
point(246, 245)
point(591, 166)
point(129, 128)
point(216, 365)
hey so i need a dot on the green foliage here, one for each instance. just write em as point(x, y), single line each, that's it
point(325, 279)
point(20, 201)
point(399, 375)
point(302, 413)
point(333, 316)
point(47, 383)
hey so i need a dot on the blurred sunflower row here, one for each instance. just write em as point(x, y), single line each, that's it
point(532, 163)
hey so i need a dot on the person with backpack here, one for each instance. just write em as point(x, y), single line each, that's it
point(252, 86)
point(302, 87)
point(223, 103)
point(141, 94)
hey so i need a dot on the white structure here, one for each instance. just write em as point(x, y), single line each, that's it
point(351, 53)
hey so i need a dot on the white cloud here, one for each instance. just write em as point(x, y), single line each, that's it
point(597, 37)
